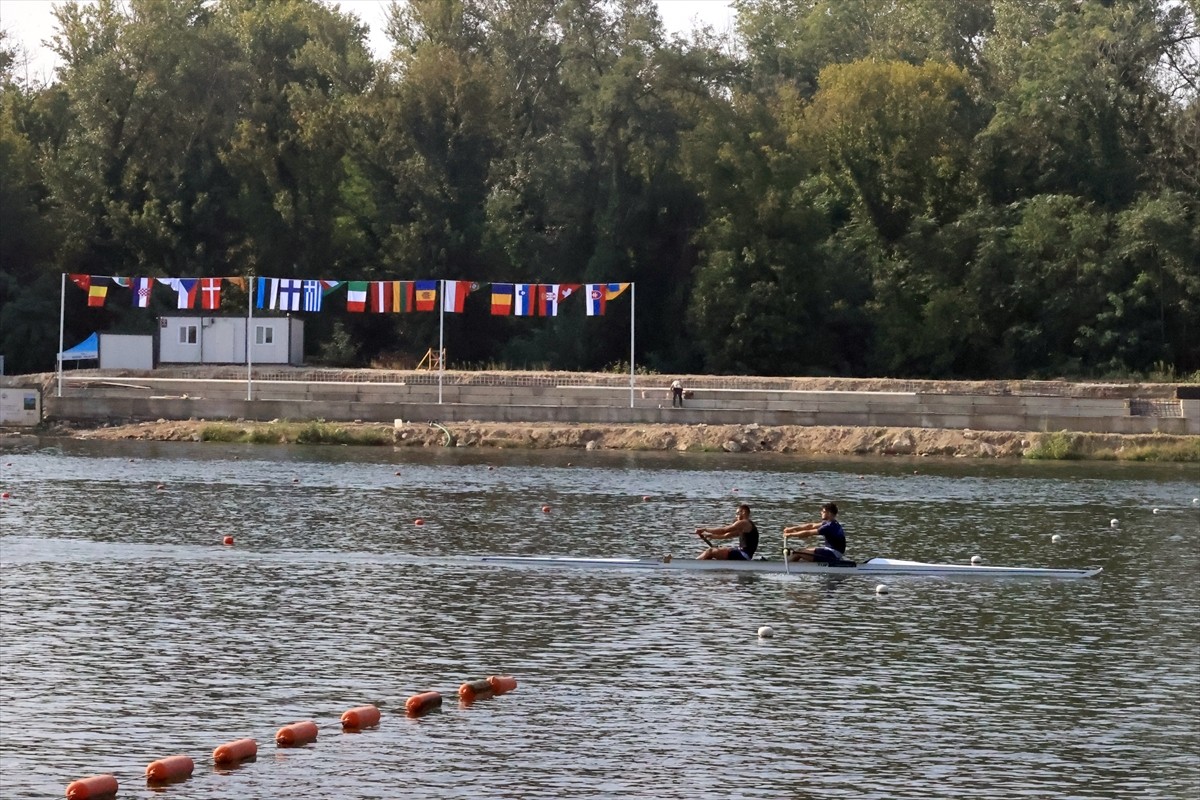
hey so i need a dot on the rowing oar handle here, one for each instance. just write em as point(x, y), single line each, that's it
point(705, 539)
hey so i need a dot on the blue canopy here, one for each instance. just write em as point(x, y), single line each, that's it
point(88, 348)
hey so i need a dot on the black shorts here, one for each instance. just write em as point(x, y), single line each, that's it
point(738, 554)
point(827, 555)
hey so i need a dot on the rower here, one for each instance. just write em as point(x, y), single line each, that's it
point(742, 527)
point(832, 550)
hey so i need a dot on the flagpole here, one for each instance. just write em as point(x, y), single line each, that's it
point(62, 315)
point(441, 339)
point(632, 317)
point(249, 326)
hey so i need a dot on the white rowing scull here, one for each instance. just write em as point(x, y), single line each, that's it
point(870, 567)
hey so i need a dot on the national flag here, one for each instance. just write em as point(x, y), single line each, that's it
point(426, 295)
point(525, 302)
point(613, 290)
point(238, 282)
point(210, 293)
point(551, 294)
point(141, 291)
point(403, 299)
point(454, 294)
point(291, 294)
point(313, 291)
point(122, 282)
point(96, 293)
point(82, 281)
point(502, 299)
point(185, 290)
point(595, 299)
point(329, 287)
point(268, 290)
point(382, 294)
point(356, 296)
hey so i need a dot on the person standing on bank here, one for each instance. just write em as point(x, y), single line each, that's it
point(832, 550)
point(743, 528)
point(676, 393)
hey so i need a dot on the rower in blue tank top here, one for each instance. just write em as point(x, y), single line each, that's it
point(829, 529)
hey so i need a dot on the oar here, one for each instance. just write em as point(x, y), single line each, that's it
point(787, 567)
point(706, 540)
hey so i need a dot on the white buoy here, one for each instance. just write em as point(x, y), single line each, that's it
point(1196, 501)
point(976, 560)
point(766, 632)
point(1056, 538)
point(1114, 523)
point(881, 589)
point(1154, 511)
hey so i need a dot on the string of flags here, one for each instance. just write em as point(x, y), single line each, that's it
point(378, 297)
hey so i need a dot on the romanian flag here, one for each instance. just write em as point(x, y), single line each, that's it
point(96, 294)
point(502, 299)
point(426, 295)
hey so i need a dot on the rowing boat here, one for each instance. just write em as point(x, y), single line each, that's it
point(870, 567)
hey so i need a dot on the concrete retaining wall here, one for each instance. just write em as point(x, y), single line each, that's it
point(150, 399)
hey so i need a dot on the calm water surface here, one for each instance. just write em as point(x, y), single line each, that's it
point(130, 633)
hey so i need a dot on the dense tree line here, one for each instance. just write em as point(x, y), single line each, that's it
point(934, 188)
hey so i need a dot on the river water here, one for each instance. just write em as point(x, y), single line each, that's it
point(129, 632)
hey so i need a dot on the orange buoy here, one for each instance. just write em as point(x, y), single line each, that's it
point(502, 683)
point(91, 787)
point(6, 495)
point(171, 768)
point(422, 703)
point(227, 540)
point(545, 509)
point(296, 734)
point(360, 717)
point(235, 751)
point(471, 691)
point(418, 521)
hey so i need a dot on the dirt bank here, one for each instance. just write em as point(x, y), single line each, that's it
point(694, 438)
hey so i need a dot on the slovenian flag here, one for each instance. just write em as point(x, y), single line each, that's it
point(596, 295)
point(502, 299)
point(525, 302)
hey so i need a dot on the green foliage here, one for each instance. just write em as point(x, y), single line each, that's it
point(295, 433)
point(1059, 446)
point(1002, 188)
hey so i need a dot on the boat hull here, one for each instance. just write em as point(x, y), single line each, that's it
point(872, 567)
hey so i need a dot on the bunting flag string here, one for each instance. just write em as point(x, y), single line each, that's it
point(381, 297)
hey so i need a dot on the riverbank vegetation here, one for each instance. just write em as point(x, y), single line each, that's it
point(296, 433)
point(936, 189)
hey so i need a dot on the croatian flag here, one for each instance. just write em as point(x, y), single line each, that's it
point(595, 299)
point(524, 305)
point(141, 292)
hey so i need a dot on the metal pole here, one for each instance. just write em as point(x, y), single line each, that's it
point(250, 286)
point(62, 313)
point(632, 318)
point(441, 339)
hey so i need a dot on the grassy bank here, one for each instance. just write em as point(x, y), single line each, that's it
point(1066, 446)
point(297, 433)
